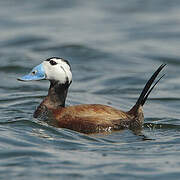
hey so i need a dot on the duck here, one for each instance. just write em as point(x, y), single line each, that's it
point(83, 118)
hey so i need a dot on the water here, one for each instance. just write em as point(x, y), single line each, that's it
point(113, 48)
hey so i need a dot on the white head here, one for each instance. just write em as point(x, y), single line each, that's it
point(58, 69)
point(53, 69)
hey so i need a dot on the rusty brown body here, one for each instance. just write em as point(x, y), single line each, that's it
point(95, 118)
point(92, 118)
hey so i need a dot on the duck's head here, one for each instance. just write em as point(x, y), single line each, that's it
point(53, 69)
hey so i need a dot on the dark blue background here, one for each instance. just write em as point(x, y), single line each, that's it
point(113, 47)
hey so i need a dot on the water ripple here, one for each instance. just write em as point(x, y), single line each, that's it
point(113, 49)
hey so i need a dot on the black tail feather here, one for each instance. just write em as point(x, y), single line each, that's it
point(145, 98)
point(147, 89)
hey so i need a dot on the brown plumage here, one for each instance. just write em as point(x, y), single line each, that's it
point(90, 118)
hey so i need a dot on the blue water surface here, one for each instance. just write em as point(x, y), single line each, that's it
point(113, 47)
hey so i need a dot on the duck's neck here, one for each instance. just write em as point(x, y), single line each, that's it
point(57, 94)
point(56, 98)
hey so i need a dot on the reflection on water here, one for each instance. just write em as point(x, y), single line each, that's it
point(113, 49)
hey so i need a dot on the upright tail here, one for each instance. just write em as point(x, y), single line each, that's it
point(147, 89)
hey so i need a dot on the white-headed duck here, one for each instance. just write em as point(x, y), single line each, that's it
point(85, 118)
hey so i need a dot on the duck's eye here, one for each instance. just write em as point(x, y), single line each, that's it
point(52, 62)
point(34, 72)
